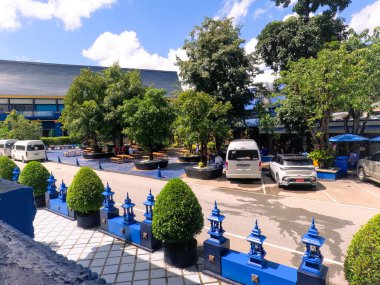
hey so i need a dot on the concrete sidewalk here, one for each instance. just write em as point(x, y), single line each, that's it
point(114, 260)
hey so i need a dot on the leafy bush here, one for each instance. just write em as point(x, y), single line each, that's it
point(362, 264)
point(211, 145)
point(85, 192)
point(177, 214)
point(6, 167)
point(201, 164)
point(58, 140)
point(321, 154)
point(35, 175)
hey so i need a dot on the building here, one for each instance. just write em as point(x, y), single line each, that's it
point(37, 90)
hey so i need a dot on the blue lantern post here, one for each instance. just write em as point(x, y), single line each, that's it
point(257, 253)
point(62, 192)
point(129, 216)
point(148, 241)
point(51, 191)
point(16, 174)
point(109, 210)
point(216, 245)
point(311, 270)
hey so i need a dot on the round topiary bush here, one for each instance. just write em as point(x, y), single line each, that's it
point(35, 175)
point(177, 213)
point(362, 264)
point(6, 167)
point(85, 192)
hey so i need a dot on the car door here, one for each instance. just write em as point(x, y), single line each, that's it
point(274, 166)
point(375, 166)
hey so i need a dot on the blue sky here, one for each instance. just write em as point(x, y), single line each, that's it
point(138, 33)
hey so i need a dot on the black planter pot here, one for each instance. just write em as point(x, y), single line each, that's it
point(88, 220)
point(40, 201)
point(96, 155)
point(151, 164)
point(181, 255)
point(204, 173)
point(193, 158)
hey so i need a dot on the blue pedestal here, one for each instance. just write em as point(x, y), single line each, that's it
point(130, 233)
point(17, 206)
point(212, 254)
point(148, 241)
point(327, 174)
point(105, 216)
point(307, 278)
point(60, 207)
point(235, 267)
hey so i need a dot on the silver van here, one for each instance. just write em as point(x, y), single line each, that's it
point(6, 146)
point(29, 150)
point(243, 160)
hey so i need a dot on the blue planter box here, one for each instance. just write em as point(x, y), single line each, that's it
point(130, 233)
point(328, 174)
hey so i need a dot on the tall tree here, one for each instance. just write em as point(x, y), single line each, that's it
point(16, 126)
point(304, 7)
point(218, 65)
point(83, 115)
point(202, 117)
point(283, 41)
point(148, 119)
point(121, 86)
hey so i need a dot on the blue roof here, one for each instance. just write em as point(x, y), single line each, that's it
point(47, 79)
point(347, 138)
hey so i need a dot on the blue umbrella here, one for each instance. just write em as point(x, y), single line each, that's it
point(347, 138)
point(376, 139)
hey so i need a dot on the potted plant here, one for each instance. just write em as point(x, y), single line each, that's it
point(177, 219)
point(84, 196)
point(322, 155)
point(6, 167)
point(35, 175)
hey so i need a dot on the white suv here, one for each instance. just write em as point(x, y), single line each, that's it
point(293, 169)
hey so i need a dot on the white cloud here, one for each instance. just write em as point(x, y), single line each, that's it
point(260, 11)
point(267, 77)
point(236, 9)
point(70, 12)
point(288, 16)
point(127, 50)
point(250, 46)
point(367, 18)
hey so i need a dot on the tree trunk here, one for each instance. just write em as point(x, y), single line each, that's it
point(356, 122)
point(363, 126)
point(204, 152)
point(150, 154)
point(121, 139)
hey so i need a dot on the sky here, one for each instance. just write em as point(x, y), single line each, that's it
point(144, 34)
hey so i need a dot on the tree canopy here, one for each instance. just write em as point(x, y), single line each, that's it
point(283, 41)
point(218, 65)
point(148, 119)
point(199, 117)
point(17, 127)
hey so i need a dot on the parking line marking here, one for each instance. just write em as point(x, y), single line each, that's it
point(331, 197)
point(281, 247)
point(365, 189)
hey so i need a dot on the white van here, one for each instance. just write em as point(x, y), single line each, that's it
point(243, 160)
point(6, 146)
point(29, 150)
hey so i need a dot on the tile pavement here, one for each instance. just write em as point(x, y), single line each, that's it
point(114, 260)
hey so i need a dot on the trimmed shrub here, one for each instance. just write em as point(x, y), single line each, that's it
point(48, 141)
point(85, 192)
point(6, 167)
point(177, 213)
point(362, 264)
point(35, 175)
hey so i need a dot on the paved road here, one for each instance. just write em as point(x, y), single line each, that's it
point(283, 215)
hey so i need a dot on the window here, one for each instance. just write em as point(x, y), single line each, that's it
point(243, 154)
point(298, 162)
point(376, 157)
point(22, 108)
point(9, 145)
point(4, 108)
point(36, 147)
point(1, 145)
point(20, 147)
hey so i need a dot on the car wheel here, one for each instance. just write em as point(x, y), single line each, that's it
point(361, 175)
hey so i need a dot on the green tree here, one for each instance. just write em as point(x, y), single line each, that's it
point(16, 126)
point(83, 115)
point(202, 117)
point(305, 7)
point(283, 41)
point(121, 85)
point(148, 119)
point(218, 65)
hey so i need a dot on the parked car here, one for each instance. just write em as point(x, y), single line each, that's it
point(243, 160)
point(369, 168)
point(6, 146)
point(293, 169)
point(29, 150)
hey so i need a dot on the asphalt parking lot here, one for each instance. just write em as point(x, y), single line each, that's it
point(340, 208)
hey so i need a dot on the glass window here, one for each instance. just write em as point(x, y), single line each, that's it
point(36, 147)
point(20, 147)
point(298, 162)
point(1, 145)
point(21, 101)
point(46, 107)
point(243, 154)
point(9, 145)
point(4, 108)
point(60, 101)
point(22, 107)
point(3, 101)
point(45, 101)
point(376, 157)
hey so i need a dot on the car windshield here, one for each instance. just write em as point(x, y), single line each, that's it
point(243, 154)
point(298, 162)
point(36, 147)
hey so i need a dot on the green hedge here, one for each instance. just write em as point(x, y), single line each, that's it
point(6, 167)
point(177, 213)
point(85, 192)
point(58, 141)
point(35, 175)
point(362, 264)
